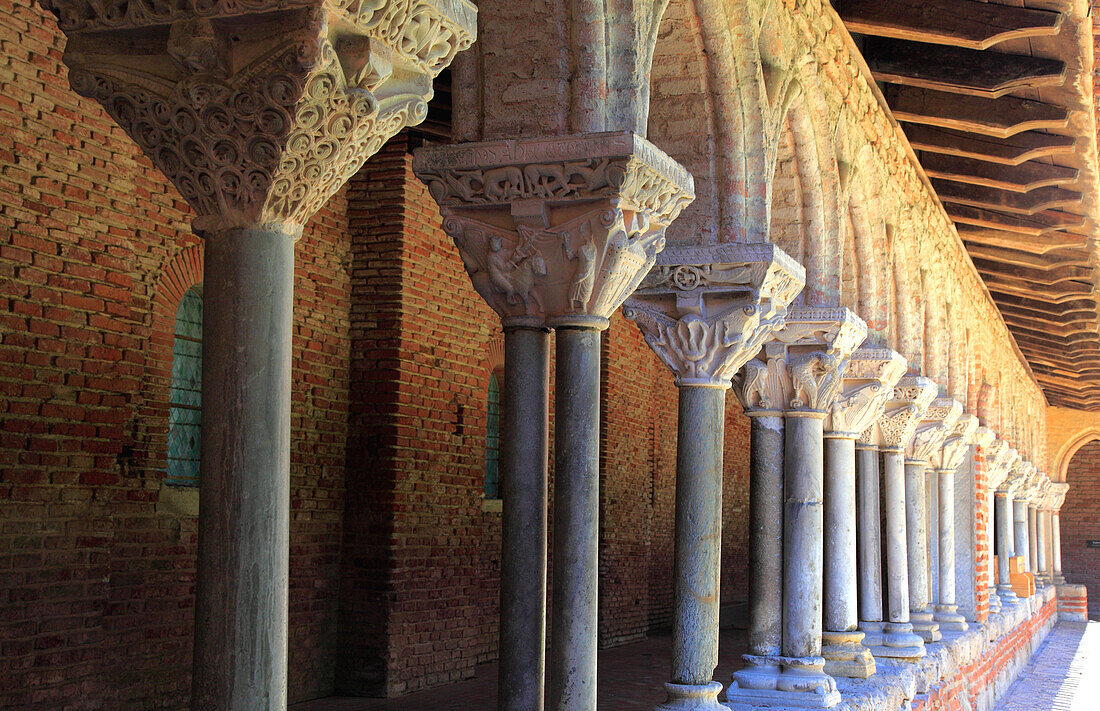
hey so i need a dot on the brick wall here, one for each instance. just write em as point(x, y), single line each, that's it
point(96, 578)
point(1080, 521)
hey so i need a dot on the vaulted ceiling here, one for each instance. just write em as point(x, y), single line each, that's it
point(996, 100)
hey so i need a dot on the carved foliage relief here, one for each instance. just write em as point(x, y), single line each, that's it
point(894, 429)
point(868, 383)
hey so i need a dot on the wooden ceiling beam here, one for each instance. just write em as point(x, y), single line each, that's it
point(1035, 311)
point(1049, 277)
point(1000, 118)
point(1028, 301)
point(1013, 150)
point(964, 23)
point(959, 70)
point(1048, 327)
point(1021, 178)
point(1026, 259)
point(1032, 225)
point(1027, 203)
point(1070, 291)
point(1035, 244)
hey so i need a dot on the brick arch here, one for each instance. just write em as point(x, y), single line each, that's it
point(869, 235)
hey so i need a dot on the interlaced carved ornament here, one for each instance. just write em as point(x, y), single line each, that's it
point(869, 382)
point(938, 421)
point(257, 119)
point(704, 330)
point(556, 231)
point(894, 429)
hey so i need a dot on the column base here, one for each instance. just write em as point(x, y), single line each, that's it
point(1007, 595)
point(872, 633)
point(899, 642)
point(692, 697)
point(1059, 579)
point(925, 625)
point(950, 619)
point(994, 601)
point(782, 682)
point(845, 655)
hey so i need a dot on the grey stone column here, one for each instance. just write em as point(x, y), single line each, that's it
point(704, 331)
point(946, 609)
point(1005, 546)
point(576, 518)
point(1032, 540)
point(698, 548)
point(1020, 544)
point(1056, 545)
point(916, 532)
point(991, 513)
point(869, 544)
point(524, 411)
point(240, 661)
point(1042, 552)
point(999, 460)
point(932, 529)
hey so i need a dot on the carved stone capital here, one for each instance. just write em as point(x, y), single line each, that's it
point(983, 437)
point(999, 460)
point(802, 369)
point(957, 443)
point(938, 422)
point(706, 310)
point(556, 231)
point(868, 384)
point(1018, 478)
point(259, 111)
point(1058, 491)
point(903, 411)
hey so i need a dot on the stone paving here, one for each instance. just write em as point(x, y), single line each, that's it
point(630, 679)
point(1064, 674)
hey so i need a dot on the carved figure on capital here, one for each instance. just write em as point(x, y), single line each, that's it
point(557, 231)
point(258, 127)
point(999, 462)
point(938, 421)
point(1058, 491)
point(902, 413)
point(868, 385)
point(956, 444)
point(706, 310)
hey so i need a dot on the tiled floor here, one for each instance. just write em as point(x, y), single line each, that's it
point(630, 677)
point(1064, 674)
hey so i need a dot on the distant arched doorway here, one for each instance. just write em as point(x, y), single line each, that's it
point(1080, 521)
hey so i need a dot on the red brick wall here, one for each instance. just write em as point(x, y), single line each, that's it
point(96, 583)
point(983, 537)
point(1080, 521)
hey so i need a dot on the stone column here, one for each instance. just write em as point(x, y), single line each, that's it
point(893, 432)
point(868, 383)
point(955, 448)
point(1032, 540)
point(256, 130)
point(869, 543)
point(1058, 496)
point(935, 426)
point(547, 249)
point(704, 311)
point(1005, 546)
point(1042, 531)
point(800, 372)
point(998, 461)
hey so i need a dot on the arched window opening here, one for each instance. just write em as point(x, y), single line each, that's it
point(492, 438)
point(185, 411)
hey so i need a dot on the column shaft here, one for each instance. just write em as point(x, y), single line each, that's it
point(932, 533)
point(1032, 540)
point(524, 413)
point(898, 638)
point(698, 534)
point(870, 543)
point(1005, 546)
point(991, 537)
point(916, 532)
point(1042, 557)
point(947, 609)
point(802, 535)
point(766, 536)
point(240, 656)
point(1056, 545)
point(576, 519)
point(840, 535)
point(1019, 530)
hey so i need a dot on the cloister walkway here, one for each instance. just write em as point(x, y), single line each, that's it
point(1064, 674)
point(631, 676)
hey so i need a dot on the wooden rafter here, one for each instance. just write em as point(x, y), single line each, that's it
point(1036, 244)
point(1027, 203)
point(1027, 259)
point(1001, 118)
point(1021, 178)
point(1014, 150)
point(959, 70)
point(963, 23)
point(1033, 225)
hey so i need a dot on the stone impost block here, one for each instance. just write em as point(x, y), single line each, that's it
point(556, 231)
point(868, 384)
point(258, 112)
point(802, 369)
point(706, 310)
point(932, 430)
point(901, 414)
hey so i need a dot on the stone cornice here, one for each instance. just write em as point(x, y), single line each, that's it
point(868, 384)
point(706, 310)
point(938, 421)
point(258, 121)
point(801, 369)
point(424, 33)
point(556, 231)
point(894, 428)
